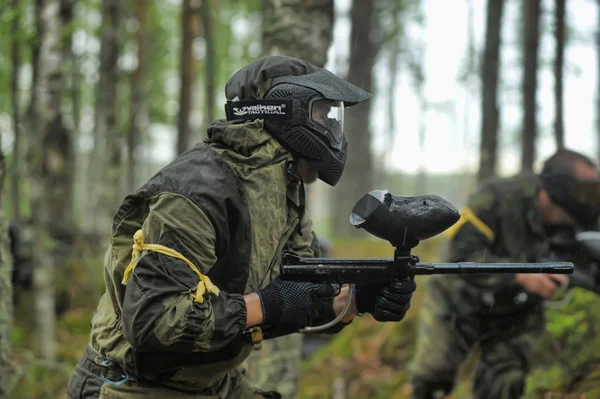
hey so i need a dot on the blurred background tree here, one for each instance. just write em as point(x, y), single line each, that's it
point(97, 95)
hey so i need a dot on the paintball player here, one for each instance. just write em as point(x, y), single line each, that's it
point(200, 290)
point(277, 365)
point(506, 220)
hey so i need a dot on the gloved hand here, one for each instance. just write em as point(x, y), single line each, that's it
point(289, 306)
point(387, 301)
point(543, 285)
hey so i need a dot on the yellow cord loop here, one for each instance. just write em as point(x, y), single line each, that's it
point(138, 246)
point(468, 216)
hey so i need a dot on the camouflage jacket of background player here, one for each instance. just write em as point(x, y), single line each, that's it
point(230, 208)
point(501, 223)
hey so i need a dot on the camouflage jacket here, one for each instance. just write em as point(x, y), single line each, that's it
point(230, 206)
point(500, 224)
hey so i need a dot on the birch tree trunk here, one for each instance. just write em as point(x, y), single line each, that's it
point(298, 28)
point(490, 113)
point(49, 183)
point(304, 30)
point(531, 25)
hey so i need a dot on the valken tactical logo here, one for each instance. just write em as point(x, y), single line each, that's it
point(260, 109)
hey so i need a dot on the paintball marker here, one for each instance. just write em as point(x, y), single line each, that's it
point(403, 222)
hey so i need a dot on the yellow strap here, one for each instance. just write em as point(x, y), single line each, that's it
point(468, 216)
point(138, 246)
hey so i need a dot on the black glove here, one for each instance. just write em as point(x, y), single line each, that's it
point(387, 301)
point(289, 306)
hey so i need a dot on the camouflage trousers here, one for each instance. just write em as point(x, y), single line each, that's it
point(276, 366)
point(94, 381)
point(453, 322)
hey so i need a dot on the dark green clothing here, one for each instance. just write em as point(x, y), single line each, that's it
point(230, 207)
point(489, 312)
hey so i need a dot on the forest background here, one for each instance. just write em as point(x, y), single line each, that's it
point(98, 95)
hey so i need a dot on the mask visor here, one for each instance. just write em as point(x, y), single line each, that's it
point(330, 116)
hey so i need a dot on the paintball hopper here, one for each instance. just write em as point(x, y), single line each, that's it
point(403, 221)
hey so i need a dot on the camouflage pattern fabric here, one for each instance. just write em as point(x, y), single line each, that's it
point(489, 312)
point(152, 322)
point(275, 367)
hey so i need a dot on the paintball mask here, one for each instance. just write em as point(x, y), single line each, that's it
point(579, 198)
point(305, 114)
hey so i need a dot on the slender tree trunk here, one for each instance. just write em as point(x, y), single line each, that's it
point(49, 185)
point(67, 15)
point(421, 180)
point(187, 75)
point(6, 293)
point(107, 139)
point(598, 80)
point(209, 12)
point(488, 148)
point(30, 131)
point(298, 28)
point(358, 174)
point(138, 115)
point(531, 22)
point(559, 34)
point(396, 47)
point(14, 94)
point(115, 140)
point(380, 167)
point(35, 52)
point(470, 77)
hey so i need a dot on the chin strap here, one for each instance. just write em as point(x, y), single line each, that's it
point(291, 170)
point(302, 207)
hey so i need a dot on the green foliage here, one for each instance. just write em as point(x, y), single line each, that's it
point(31, 377)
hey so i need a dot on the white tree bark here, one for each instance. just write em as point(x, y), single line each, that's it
point(47, 114)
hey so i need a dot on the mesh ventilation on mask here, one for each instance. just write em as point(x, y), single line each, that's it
point(280, 126)
point(304, 144)
point(336, 171)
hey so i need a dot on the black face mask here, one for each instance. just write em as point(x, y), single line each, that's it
point(579, 198)
point(306, 114)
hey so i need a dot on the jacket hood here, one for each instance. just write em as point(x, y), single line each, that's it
point(254, 80)
point(248, 141)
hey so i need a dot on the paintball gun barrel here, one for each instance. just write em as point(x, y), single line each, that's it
point(403, 222)
point(352, 270)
